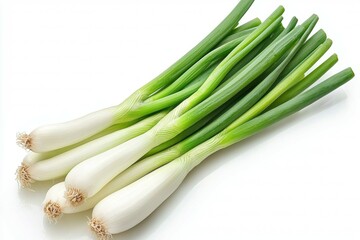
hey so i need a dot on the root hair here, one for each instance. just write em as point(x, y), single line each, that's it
point(53, 211)
point(23, 140)
point(74, 196)
point(98, 227)
point(23, 176)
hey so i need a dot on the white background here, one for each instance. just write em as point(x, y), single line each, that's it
point(297, 180)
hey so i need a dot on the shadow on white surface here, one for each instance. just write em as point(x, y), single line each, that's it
point(36, 194)
point(68, 226)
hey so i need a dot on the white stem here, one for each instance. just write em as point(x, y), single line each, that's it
point(129, 206)
point(55, 204)
point(90, 176)
point(60, 165)
point(56, 194)
point(55, 136)
point(32, 157)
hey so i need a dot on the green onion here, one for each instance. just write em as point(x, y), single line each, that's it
point(127, 207)
point(55, 203)
point(147, 165)
point(88, 177)
point(126, 160)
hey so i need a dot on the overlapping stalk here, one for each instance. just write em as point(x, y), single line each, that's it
point(127, 207)
point(126, 160)
point(107, 165)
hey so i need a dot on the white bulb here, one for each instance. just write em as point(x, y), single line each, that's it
point(129, 206)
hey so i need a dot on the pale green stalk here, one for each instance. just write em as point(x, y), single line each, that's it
point(283, 86)
point(306, 81)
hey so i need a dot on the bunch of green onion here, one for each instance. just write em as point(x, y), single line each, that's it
point(124, 161)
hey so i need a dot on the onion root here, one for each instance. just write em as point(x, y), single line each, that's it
point(99, 229)
point(23, 176)
point(74, 196)
point(23, 140)
point(53, 211)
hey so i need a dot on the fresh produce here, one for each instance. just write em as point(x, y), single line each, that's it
point(55, 198)
point(87, 178)
point(126, 160)
point(126, 208)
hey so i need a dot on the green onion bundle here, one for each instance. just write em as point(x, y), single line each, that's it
point(124, 161)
